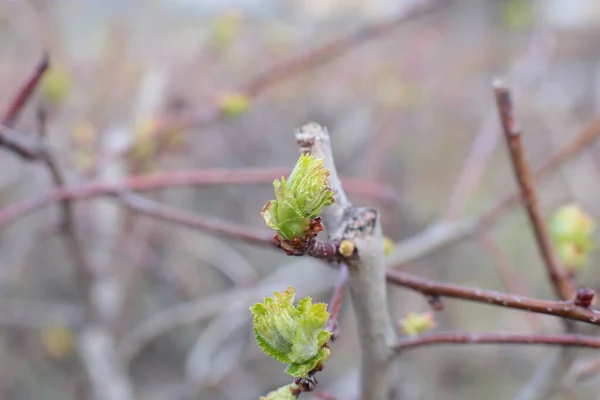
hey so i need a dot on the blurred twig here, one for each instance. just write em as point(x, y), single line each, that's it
point(280, 72)
point(97, 351)
point(24, 94)
point(168, 180)
point(522, 72)
point(188, 313)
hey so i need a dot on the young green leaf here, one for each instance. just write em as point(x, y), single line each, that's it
point(299, 199)
point(283, 393)
point(292, 335)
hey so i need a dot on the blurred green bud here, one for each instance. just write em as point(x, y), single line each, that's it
point(388, 246)
point(292, 335)
point(283, 393)
point(299, 199)
point(517, 14)
point(571, 255)
point(415, 323)
point(225, 29)
point(572, 232)
point(234, 104)
point(55, 86)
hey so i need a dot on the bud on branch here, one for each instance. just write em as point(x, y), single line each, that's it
point(299, 200)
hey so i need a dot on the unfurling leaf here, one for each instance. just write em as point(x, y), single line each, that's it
point(414, 324)
point(293, 335)
point(299, 199)
point(283, 393)
point(572, 231)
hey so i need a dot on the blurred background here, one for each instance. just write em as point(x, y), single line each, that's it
point(411, 114)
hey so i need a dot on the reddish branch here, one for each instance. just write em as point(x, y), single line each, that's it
point(557, 274)
point(588, 135)
point(497, 338)
point(335, 305)
point(24, 94)
point(169, 180)
point(174, 215)
point(563, 309)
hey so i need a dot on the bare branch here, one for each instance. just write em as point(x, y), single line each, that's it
point(497, 338)
point(335, 305)
point(166, 213)
point(366, 280)
point(197, 178)
point(24, 94)
point(97, 351)
point(557, 274)
point(562, 309)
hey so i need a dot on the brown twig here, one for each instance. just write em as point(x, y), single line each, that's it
point(568, 340)
point(24, 94)
point(557, 274)
point(562, 309)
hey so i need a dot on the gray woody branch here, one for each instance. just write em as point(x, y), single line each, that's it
point(366, 282)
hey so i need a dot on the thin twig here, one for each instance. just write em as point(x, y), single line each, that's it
point(335, 305)
point(567, 340)
point(557, 274)
point(198, 178)
point(166, 213)
point(24, 94)
point(562, 309)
